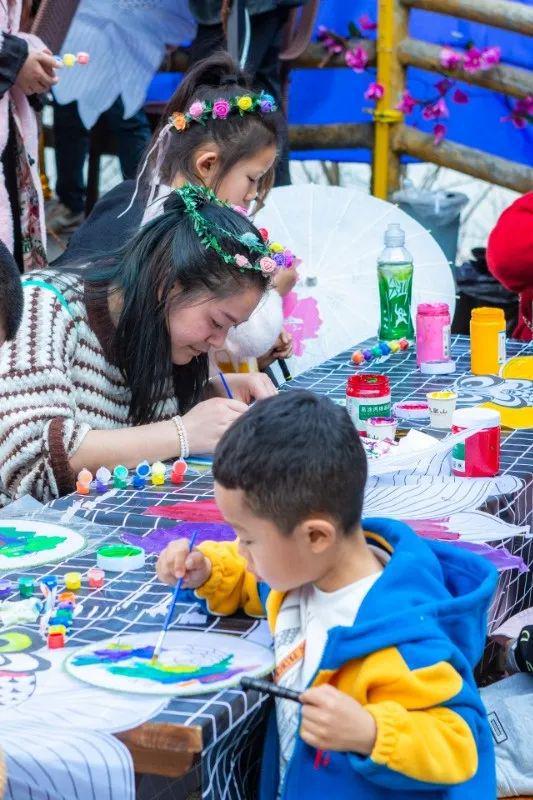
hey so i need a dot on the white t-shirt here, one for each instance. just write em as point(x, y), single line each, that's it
point(304, 620)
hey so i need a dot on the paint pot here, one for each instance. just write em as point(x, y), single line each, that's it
point(432, 332)
point(120, 477)
point(26, 586)
point(441, 408)
point(56, 641)
point(96, 577)
point(411, 410)
point(67, 597)
point(367, 395)
point(179, 468)
point(159, 472)
point(479, 455)
point(120, 557)
point(381, 428)
point(446, 367)
point(487, 341)
point(6, 587)
point(50, 581)
point(72, 581)
point(103, 479)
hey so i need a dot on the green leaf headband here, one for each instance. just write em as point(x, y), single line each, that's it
point(203, 110)
point(271, 256)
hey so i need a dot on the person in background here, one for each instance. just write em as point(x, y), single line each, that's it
point(267, 20)
point(27, 70)
point(11, 300)
point(510, 258)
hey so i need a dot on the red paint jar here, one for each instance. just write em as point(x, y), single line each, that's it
point(367, 396)
point(479, 455)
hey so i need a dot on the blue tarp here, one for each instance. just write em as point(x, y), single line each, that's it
point(336, 95)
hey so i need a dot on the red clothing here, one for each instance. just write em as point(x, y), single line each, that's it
point(510, 258)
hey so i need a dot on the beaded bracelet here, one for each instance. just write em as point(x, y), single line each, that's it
point(182, 436)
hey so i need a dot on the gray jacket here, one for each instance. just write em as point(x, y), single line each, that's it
point(207, 12)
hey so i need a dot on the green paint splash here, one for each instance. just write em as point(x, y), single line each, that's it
point(15, 543)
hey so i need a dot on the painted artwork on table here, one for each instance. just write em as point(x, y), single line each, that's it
point(190, 663)
point(26, 543)
point(19, 666)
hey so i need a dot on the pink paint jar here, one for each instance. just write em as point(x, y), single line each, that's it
point(479, 455)
point(432, 332)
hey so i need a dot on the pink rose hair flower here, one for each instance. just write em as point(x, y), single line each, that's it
point(439, 132)
point(268, 265)
point(407, 104)
point(221, 108)
point(356, 59)
point(196, 109)
point(449, 58)
point(241, 261)
point(375, 91)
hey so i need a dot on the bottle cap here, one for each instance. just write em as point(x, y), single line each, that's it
point(432, 309)
point(486, 314)
point(476, 418)
point(394, 235)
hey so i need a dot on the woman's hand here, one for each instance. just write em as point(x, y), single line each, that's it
point(37, 74)
point(207, 421)
point(282, 349)
point(247, 386)
point(178, 561)
point(285, 281)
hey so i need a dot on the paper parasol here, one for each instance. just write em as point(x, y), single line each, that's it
point(338, 234)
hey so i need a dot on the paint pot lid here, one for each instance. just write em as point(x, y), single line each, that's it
point(476, 417)
point(411, 410)
point(444, 367)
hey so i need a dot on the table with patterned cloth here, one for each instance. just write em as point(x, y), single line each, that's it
point(215, 738)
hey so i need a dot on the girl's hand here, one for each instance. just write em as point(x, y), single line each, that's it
point(37, 73)
point(208, 421)
point(285, 281)
point(246, 387)
point(177, 561)
point(332, 720)
point(282, 349)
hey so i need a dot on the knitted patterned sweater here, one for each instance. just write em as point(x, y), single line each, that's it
point(57, 382)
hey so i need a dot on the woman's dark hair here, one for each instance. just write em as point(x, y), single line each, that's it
point(236, 137)
point(166, 252)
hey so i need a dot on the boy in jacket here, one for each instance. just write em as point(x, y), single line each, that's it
point(378, 629)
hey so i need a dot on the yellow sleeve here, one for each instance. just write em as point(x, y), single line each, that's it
point(412, 707)
point(231, 587)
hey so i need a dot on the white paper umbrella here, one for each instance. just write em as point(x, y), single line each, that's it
point(338, 234)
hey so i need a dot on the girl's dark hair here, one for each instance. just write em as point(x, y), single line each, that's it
point(166, 252)
point(11, 300)
point(236, 137)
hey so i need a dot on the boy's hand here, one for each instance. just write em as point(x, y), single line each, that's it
point(37, 73)
point(332, 720)
point(177, 561)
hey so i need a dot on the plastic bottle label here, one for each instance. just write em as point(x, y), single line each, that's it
point(502, 341)
point(446, 341)
point(459, 457)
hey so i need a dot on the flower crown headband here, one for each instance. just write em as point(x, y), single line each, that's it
point(271, 256)
point(203, 110)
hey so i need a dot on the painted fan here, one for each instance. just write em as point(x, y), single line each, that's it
point(338, 234)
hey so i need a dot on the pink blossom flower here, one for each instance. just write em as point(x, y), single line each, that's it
point(375, 91)
point(436, 110)
point(449, 58)
point(356, 59)
point(443, 85)
point(196, 109)
point(408, 103)
point(521, 113)
point(366, 24)
point(460, 97)
point(241, 260)
point(490, 57)
point(473, 60)
point(221, 109)
point(439, 132)
point(327, 41)
point(268, 265)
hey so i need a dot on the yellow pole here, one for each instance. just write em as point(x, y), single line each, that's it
point(392, 28)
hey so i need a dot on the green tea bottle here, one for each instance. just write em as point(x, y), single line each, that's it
point(395, 280)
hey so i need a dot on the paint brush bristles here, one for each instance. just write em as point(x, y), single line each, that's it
point(170, 612)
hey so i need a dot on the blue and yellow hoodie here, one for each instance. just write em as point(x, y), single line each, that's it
point(408, 659)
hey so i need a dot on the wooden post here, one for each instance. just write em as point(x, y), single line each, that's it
point(468, 160)
point(393, 21)
point(510, 16)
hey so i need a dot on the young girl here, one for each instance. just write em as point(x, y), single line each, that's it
point(215, 132)
point(110, 363)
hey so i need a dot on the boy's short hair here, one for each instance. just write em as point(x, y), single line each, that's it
point(11, 300)
point(295, 455)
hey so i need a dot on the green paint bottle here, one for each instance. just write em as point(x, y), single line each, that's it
point(395, 281)
point(26, 587)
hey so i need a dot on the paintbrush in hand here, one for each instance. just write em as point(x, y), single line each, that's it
point(170, 613)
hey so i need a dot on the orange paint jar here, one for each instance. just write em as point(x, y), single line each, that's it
point(487, 341)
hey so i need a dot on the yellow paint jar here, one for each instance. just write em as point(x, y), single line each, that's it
point(73, 581)
point(487, 341)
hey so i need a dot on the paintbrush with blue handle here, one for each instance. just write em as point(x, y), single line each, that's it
point(170, 613)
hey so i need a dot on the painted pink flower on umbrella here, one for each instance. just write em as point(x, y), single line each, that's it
point(302, 320)
point(356, 59)
point(408, 103)
point(375, 91)
point(449, 58)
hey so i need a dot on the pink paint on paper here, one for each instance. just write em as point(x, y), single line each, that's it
point(155, 541)
point(195, 511)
